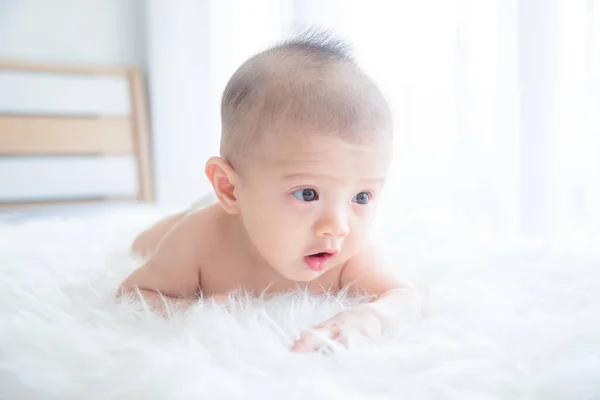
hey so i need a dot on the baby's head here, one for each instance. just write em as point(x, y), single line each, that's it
point(305, 148)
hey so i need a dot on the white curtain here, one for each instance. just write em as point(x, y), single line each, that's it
point(494, 100)
point(193, 46)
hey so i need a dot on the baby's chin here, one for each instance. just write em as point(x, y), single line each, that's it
point(300, 275)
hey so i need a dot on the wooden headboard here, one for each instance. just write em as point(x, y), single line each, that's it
point(72, 134)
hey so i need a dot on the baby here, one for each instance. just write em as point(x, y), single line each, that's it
point(305, 149)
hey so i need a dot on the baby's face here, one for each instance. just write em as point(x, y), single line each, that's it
point(309, 200)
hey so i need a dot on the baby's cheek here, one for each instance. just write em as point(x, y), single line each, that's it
point(280, 227)
point(354, 241)
point(363, 220)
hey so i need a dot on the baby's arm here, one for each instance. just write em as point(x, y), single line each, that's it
point(393, 303)
point(170, 279)
point(396, 302)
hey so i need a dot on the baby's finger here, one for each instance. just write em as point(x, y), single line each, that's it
point(221, 299)
point(312, 341)
point(337, 335)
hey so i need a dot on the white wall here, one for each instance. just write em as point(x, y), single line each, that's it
point(100, 32)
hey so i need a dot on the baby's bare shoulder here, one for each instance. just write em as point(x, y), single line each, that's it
point(200, 228)
point(367, 262)
point(218, 262)
point(367, 272)
point(186, 240)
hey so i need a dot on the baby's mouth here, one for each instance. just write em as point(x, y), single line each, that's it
point(321, 255)
point(318, 261)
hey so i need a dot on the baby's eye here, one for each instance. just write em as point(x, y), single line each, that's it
point(361, 198)
point(306, 194)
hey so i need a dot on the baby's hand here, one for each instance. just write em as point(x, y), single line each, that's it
point(362, 322)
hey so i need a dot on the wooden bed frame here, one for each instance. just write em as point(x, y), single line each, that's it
point(71, 136)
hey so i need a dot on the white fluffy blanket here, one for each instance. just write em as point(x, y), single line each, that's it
point(505, 322)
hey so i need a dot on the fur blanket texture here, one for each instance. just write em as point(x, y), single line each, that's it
point(504, 320)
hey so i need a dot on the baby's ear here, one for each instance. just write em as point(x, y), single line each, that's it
point(223, 178)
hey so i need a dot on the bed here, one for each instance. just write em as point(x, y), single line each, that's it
point(504, 319)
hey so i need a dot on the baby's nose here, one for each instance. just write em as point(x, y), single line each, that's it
point(332, 225)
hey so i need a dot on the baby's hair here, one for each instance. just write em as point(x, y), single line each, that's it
point(309, 82)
